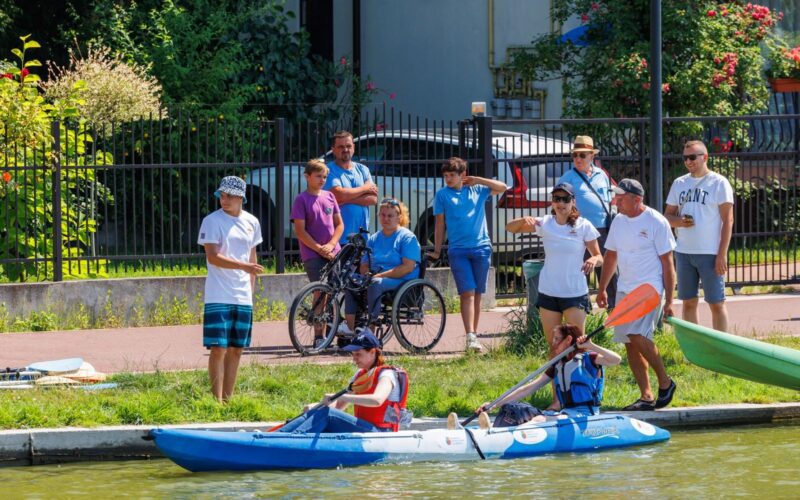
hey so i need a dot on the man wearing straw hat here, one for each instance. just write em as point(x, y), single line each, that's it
point(593, 197)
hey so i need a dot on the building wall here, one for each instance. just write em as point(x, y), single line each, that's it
point(435, 55)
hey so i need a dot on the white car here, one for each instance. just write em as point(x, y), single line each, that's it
point(406, 164)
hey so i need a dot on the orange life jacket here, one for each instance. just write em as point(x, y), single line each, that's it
point(387, 415)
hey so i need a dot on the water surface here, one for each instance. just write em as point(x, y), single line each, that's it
point(707, 463)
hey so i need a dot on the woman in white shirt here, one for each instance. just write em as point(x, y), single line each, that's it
point(563, 290)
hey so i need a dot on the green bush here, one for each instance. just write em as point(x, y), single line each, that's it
point(27, 183)
point(115, 91)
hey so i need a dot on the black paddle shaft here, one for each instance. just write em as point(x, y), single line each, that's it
point(333, 398)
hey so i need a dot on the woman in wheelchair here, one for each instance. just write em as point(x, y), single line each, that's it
point(396, 255)
point(377, 391)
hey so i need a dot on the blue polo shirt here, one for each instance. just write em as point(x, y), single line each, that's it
point(464, 215)
point(388, 251)
point(353, 216)
point(588, 203)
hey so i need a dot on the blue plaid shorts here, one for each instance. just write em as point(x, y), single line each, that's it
point(227, 325)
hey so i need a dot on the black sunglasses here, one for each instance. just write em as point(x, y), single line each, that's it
point(562, 199)
point(692, 157)
point(580, 155)
point(390, 201)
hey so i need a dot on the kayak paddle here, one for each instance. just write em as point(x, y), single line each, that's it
point(333, 398)
point(637, 304)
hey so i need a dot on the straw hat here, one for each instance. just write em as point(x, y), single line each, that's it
point(584, 143)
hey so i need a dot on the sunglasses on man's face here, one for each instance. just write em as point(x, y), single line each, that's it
point(562, 199)
point(580, 155)
point(692, 157)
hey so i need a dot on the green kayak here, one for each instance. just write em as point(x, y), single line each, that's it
point(738, 356)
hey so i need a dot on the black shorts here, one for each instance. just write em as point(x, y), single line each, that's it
point(561, 304)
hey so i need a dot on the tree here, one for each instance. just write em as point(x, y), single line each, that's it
point(712, 59)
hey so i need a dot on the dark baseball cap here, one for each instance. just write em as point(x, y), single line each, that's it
point(364, 340)
point(564, 186)
point(631, 186)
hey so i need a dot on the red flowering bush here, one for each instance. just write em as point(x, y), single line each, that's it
point(712, 62)
point(784, 61)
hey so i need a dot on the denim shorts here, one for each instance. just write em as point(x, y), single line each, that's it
point(227, 325)
point(313, 267)
point(560, 304)
point(694, 269)
point(470, 267)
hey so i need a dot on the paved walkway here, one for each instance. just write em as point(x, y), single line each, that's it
point(179, 347)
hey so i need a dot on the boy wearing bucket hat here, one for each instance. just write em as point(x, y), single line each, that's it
point(592, 196)
point(229, 236)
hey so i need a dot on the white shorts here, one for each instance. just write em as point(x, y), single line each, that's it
point(644, 326)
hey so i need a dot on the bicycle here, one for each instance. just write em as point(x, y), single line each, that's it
point(415, 313)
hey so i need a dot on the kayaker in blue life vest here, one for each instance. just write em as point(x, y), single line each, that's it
point(378, 393)
point(578, 381)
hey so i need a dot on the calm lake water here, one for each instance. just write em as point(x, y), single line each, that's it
point(709, 463)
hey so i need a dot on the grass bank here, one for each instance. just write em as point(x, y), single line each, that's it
point(277, 392)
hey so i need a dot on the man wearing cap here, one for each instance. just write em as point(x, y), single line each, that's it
point(592, 196)
point(229, 236)
point(700, 208)
point(640, 243)
point(351, 184)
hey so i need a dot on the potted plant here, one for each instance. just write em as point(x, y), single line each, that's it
point(784, 67)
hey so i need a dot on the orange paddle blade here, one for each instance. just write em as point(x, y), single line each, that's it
point(642, 299)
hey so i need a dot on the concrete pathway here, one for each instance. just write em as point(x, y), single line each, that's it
point(180, 347)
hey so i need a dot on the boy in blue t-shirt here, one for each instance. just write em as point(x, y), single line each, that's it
point(459, 208)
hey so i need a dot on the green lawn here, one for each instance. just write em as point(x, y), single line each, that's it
point(277, 392)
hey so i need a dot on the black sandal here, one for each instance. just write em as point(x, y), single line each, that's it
point(641, 405)
point(665, 395)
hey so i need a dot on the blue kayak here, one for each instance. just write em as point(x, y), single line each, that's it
point(199, 450)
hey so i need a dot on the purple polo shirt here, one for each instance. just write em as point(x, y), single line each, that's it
point(317, 211)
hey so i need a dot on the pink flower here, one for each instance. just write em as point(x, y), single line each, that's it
point(370, 86)
point(7, 75)
point(715, 140)
point(343, 61)
point(595, 6)
point(729, 144)
point(392, 95)
point(23, 74)
point(646, 85)
point(584, 18)
point(644, 63)
point(717, 60)
point(711, 13)
point(379, 126)
point(665, 88)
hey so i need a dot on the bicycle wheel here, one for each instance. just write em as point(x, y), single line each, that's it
point(313, 318)
point(418, 316)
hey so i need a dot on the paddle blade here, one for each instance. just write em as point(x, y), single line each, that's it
point(642, 299)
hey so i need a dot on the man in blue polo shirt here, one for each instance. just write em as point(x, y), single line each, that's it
point(351, 185)
point(593, 197)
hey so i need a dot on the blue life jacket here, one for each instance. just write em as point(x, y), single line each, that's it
point(578, 382)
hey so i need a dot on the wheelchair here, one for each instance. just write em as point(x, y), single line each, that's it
point(415, 312)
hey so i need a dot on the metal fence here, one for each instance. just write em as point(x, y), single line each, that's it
point(109, 198)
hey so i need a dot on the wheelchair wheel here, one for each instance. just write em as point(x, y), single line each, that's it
point(418, 316)
point(313, 318)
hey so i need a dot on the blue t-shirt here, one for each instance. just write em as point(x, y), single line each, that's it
point(587, 202)
point(464, 215)
point(353, 216)
point(388, 251)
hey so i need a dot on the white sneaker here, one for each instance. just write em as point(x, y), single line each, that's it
point(344, 329)
point(473, 344)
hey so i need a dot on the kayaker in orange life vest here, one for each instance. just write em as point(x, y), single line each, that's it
point(378, 393)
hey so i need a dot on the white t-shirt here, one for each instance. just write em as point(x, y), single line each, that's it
point(700, 197)
point(639, 243)
point(394, 394)
point(236, 237)
point(564, 247)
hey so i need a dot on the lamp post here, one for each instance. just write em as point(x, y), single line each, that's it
point(656, 143)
